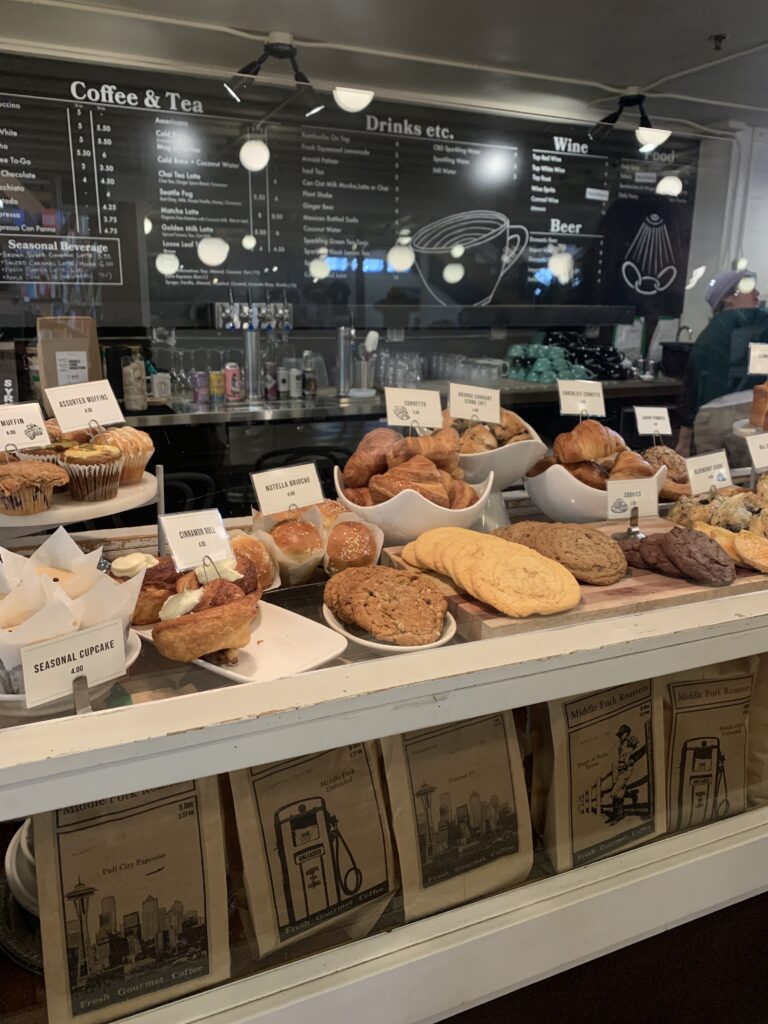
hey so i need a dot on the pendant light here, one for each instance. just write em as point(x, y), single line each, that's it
point(254, 154)
point(648, 137)
point(453, 273)
point(669, 185)
point(167, 263)
point(212, 251)
point(352, 100)
point(401, 257)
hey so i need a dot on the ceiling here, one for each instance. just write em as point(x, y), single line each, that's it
point(566, 59)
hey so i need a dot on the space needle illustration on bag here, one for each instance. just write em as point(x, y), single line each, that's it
point(487, 236)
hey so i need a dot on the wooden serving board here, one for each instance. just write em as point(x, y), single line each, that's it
point(639, 591)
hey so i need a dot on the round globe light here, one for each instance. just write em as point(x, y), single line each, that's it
point(560, 265)
point(401, 258)
point(322, 252)
point(319, 269)
point(167, 263)
point(254, 154)
point(249, 242)
point(147, 226)
point(453, 273)
point(212, 251)
point(457, 251)
point(352, 100)
point(669, 185)
point(746, 285)
point(742, 263)
point(649, 139)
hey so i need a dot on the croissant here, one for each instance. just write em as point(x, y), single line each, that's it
point(590, 473)
point(477, 439)
point(442, 448)
point(417, 474)
point(462, 496)
point(631, 466)
point(359, 496)
point(370, 457)
point(587, 442)
point(541, 466)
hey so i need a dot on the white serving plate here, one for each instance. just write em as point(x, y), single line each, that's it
point(20, 870)
point(64, 510)
point(282, 644)
point(359, 637)
point(508, 463)
point(13, 704)
point(559, 495)
point(408, 514)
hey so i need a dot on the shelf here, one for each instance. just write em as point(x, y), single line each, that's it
point(65, 511)
point(44, 765)
point(466, 956)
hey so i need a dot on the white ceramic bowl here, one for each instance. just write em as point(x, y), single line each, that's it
point(559, 495)
point(408, 514)
point(508, 463)
point(20, 869)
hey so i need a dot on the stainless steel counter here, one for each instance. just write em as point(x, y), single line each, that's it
point(330, 407)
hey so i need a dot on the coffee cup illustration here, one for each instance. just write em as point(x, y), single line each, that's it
point(489, 246)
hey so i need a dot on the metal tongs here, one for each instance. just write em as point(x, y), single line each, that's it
point(632, 530)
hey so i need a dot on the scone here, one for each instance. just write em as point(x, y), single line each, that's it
point(725, 538)
point(752, 550)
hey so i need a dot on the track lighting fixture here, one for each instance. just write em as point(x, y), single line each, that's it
point(648, 137)
point(280, 46)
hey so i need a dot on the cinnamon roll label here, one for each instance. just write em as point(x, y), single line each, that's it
point(193, 537)
point(466, 402)
point(415, 407)
point(707, 471)
point(581, 398)
point(653, 420)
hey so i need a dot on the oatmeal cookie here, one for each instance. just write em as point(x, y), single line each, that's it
point(405, 611)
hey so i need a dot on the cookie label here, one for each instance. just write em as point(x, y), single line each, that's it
point(758, 357)
point(78, 406)
point(581, 398)
point(194, 536)
point(50, 667)
point(23, 426)
point(278, 489)
point(624, 495)
point(758, 451)
point(710, 470)
point(412, 406)
point(653, 420)
point(466, 402)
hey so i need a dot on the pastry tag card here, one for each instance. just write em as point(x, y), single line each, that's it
point(77, 406)
point(22, 425)
point(51, 666)
point(706, 471)
point(758, 451)
point(466, 402)
point(413, 407)
point(624, 495)
point(581, 398)
point(758, 357)
point(653, 420)
point(194, 536)
point(278, 489)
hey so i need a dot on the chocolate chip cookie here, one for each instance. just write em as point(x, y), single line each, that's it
point(630, 547)
point(699, 557)
point(654, 555)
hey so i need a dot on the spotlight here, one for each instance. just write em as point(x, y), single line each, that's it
point(648, 137)
point(352, 100)
point(279, 46)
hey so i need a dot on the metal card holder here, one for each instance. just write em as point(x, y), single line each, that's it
point(82, 695)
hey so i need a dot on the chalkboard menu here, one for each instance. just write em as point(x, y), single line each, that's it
point(103, 170)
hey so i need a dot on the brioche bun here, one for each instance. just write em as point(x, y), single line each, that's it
point(350, 545)
point(298, 541)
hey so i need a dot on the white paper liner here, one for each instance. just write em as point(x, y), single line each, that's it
point(56, 618)
point(60, 552)
point(271, 548)
point(350, 517)
point(290, 572)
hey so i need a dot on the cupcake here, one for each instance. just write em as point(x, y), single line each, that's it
point(94, 471)
point(49, 453)
point(27, 487)
point(137, 449)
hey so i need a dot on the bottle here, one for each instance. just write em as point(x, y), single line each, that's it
point(345, 339)
point(270, 382)
point(308, 378)
point(283, 383)
point(134, 381)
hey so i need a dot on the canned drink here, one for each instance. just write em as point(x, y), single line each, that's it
point(294, 382)
point(283, 382)
point(200, 391)
point(270, 381)
point(216, 386)
point(232, 382)
point(309, 384)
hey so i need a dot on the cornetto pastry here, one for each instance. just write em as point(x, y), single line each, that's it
point(590, 473)
point(630, 466)
point(542, 465)
point(359, 496)
point(370, 457)
point(587, 442)
point(218, 627)
point(441, 448)
point(418, 474)
point(26, 488)
point(590, 555)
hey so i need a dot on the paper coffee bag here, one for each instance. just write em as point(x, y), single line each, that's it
point(600, 759)
point(133, 901)
point(706, 726)
point(315, 843)
point(459, 810)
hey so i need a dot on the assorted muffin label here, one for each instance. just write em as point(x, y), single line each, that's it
point(75, 406)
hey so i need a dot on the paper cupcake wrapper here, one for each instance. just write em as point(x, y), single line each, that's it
point(94, 483)
point(27, 501)
point(133, 468)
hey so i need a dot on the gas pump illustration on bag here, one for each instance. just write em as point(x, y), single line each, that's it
point(702, 793)
point(626, 789)
point(311, 848)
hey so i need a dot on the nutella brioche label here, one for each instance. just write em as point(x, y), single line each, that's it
point(23, 426)
point(466, 402)
point(77, 406)
point(758, 451)
point(194, 536)
point(415, 407)
point(51, 666)
point(581, 398)
point(653, 420)
point(277, 489)
point(758, 357)
point(706, 471)
point(624, 495)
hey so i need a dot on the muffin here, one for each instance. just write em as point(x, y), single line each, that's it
point(137, 449)
point(49, 453)
point(94, 471)
point(27, 488)
point(55, 433)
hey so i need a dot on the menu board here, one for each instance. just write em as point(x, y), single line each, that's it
point(103, 170)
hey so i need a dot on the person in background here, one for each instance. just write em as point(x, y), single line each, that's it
point(720, 355)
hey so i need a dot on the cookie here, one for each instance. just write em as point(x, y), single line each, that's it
point(725, 538)
point(518, 581)
point(590, 555)
point(406, 611)
point(752, 550)
point(340, 588)
point(429, 547)
point(524, 532)
point(656, 558)
point(459, 557)
point(408, 554)
point(630, 548)
point(699, 557)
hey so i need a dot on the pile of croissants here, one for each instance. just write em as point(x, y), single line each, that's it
point(594, 454)
point(387, 463)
